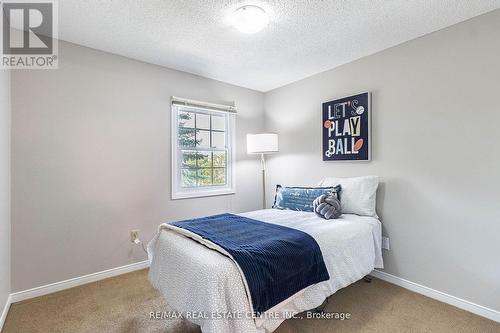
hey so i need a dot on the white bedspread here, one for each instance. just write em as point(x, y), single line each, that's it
point(204, 284)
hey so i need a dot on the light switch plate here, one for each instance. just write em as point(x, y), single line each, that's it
point(385, 243)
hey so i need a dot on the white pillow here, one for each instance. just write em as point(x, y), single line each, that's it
point(358, 194)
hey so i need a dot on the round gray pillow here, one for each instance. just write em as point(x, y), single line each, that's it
point(327, 206)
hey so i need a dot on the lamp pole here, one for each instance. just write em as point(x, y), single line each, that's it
point(263, 166)
point(262, 143)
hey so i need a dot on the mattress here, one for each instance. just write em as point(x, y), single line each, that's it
point(207, 287)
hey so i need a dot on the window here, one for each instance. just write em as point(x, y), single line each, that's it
point(202, 151)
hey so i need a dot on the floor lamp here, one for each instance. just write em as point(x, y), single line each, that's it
point(263, 143)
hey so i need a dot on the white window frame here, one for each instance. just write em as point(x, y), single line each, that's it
point(178, 192)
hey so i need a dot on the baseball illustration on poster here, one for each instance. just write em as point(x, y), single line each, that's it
point(346, 128)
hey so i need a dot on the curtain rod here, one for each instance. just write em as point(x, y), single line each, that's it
point(195, 103)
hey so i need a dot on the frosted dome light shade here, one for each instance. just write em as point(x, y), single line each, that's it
point(250, 19)
point(263, 143)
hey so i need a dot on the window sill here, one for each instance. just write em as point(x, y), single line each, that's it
point(201, 193)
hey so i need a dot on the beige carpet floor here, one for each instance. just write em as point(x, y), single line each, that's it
point(122, 305)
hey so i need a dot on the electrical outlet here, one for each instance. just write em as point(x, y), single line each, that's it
point(385, 243)
point(134, 234)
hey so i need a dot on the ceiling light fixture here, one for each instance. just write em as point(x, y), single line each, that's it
point(250, 19)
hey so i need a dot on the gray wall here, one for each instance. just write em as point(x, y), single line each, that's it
point(435, 141)
point(91, 156)
point(4, 186)
point(91, 161)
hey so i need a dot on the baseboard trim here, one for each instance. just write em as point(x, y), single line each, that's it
point(438, 295)
point(5, 311)
point(78, 281)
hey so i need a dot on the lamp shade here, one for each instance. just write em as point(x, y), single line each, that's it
point(263, 143)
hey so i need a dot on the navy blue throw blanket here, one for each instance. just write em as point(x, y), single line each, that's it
point(277, 261)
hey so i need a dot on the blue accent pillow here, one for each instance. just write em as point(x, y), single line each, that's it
point(301, 198)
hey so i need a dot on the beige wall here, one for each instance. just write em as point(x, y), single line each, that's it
point(4, 186)
point(91, 161)
point(436, 119)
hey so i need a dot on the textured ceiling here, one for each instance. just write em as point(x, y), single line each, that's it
point(303, 37)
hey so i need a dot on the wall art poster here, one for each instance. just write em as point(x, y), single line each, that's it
point(346, 128)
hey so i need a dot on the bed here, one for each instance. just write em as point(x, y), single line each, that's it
point(208, 288)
